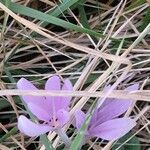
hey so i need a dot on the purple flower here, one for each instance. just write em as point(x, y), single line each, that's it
point(104, 122)
point(52, 110)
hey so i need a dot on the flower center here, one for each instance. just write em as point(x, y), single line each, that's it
point(54, 122)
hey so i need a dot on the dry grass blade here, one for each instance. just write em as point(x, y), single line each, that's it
point(36, 50)
point(137, 95)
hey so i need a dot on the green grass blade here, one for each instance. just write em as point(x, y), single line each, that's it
point(63, 7)
point(77, 142)
point(8, 134)
point(146, 20)
point(46, 142)
point(82, 17)
point(135, 3)
point(124, 144)
point(50, 19)
point(60, 9)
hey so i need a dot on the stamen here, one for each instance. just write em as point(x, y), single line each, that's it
point(53, 122)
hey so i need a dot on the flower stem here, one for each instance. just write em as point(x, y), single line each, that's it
point(46, 142)
point(64, 137)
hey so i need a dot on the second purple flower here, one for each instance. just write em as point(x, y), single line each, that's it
point(105, 123)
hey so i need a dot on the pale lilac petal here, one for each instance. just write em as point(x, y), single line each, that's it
point(24, 84)
point(80, 117)
point(106, 89)
point(31, 129)
point(53, 83)
point(65, 101)
point(115, 107)
point(39, 112)
point(106, 102)
point(67, 85)
point(63, 117)
point(112, 110)
point(113, 129)
point(94, 118)
point(57, 103)
point(133, 87)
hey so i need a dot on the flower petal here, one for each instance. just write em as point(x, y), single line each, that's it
point(57, 103)
point(31, 129)
point(106, 89)
point(113, 129)
point(133, 87)
point(114, 107)
point(65, 101)
point(129, 88)
point(24, 84)
point(39, 112)
point(67, 85)
point(63, 117)
point(79, 118)
point(94, 118)
point(53, 83)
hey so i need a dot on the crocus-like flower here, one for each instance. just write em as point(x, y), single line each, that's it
point(52, 110)
point(105, 123)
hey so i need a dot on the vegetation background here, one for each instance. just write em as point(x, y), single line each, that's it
point(94, 43)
